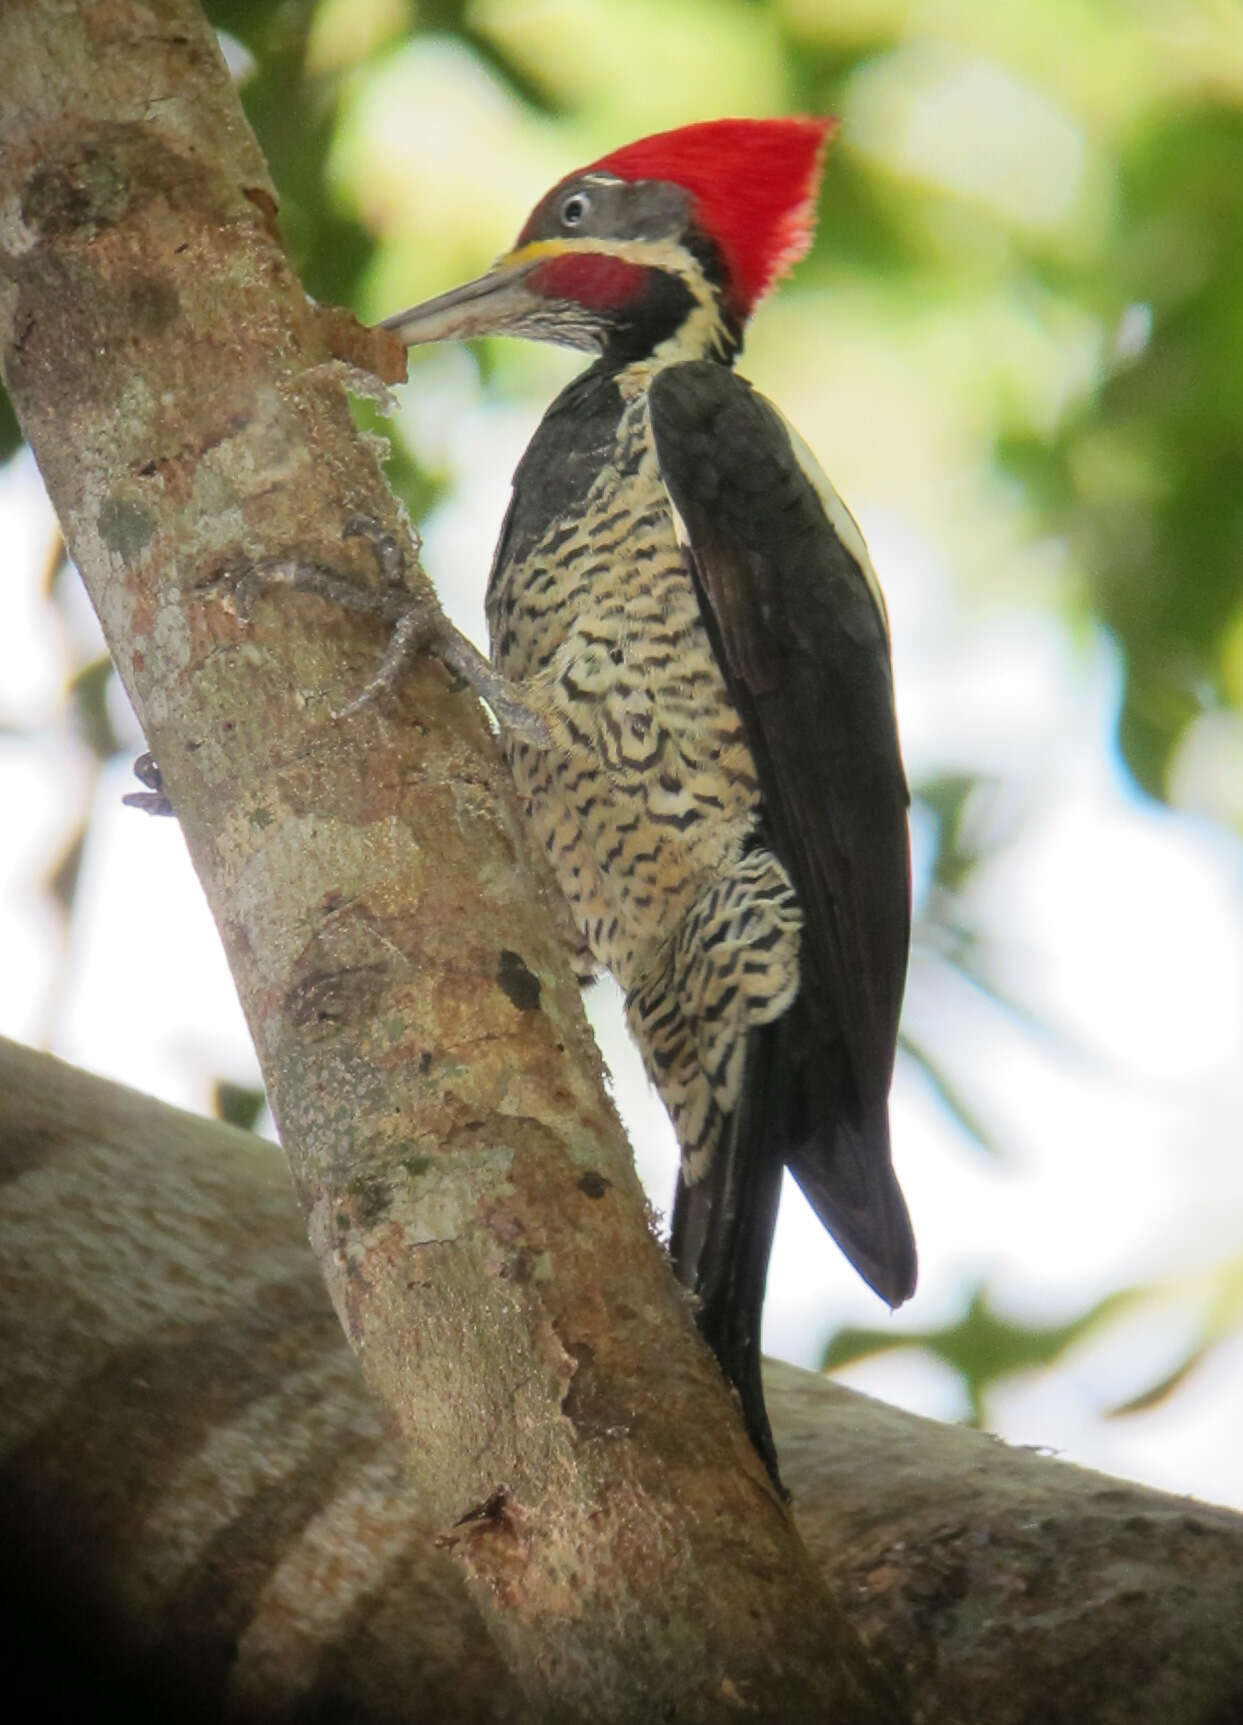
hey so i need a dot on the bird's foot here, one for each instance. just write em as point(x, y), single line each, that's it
point(154, 800)
point(416, 623)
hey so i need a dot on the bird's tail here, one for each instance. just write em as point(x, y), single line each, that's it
point(797, 1109)
point(848, 1179)
point(722, 1232)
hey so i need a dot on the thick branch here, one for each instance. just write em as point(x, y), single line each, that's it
point(467, 1188)
point(188, 1455)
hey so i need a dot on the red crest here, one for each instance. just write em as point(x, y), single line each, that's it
point(754, 185)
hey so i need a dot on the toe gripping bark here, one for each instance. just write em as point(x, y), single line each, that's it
point(403, 600)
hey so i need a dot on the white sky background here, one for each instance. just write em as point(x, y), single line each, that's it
point(1121, 923)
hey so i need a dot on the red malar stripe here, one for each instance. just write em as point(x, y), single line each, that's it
point(592, 279)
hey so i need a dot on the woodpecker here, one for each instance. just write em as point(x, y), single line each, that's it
point(687, 608)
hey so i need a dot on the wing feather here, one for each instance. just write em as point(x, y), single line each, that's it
point(799, 630)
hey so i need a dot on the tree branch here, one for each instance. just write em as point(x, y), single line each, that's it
point(197, 1487)
point(468, 1191)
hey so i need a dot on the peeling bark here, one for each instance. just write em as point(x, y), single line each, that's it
point(467, 1189)
point(200, 1502)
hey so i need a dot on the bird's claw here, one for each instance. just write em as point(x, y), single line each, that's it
point(415, 619)
point(154, 800)
point(513, 713)
point(416, 629)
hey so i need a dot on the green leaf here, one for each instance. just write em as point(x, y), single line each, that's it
point(10, 430)
point(983, 1346)
point(238, 1104)
point(88, 695)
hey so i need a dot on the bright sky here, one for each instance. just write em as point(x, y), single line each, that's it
point(1121, 923)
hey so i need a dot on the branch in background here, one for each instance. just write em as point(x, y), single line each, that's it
point(192, 1471)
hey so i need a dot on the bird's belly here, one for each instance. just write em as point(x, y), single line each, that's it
point(650, 791)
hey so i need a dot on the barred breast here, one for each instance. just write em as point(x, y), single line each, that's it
point(647, 804)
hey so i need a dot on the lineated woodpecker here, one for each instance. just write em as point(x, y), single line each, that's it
point(687, 607)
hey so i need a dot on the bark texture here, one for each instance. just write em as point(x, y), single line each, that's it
point(468, 1191)
point(201, 1505)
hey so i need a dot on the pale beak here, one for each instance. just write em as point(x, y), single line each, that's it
point(498, 303)
point(503, 302)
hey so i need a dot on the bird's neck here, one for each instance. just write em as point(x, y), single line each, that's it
point(682, 316)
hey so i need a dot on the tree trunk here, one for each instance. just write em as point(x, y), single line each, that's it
point(200, 1504)
point(467, 1188)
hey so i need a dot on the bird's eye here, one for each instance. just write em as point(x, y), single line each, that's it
point(574, 209)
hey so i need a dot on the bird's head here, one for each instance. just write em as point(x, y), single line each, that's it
point(662, 248)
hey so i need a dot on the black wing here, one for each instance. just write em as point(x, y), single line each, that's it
point(801, 639)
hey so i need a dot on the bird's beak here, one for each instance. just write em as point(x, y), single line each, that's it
point(498, 303)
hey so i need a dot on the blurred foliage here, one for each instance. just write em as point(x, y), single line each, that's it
point(1023, 317)
point(983, 1346)
point(62, 880)
point(10, 431)
point(1218, 1297)
point(961, 839)
point(239, 1104)
point(292, 110)
point(1145, 475)
point(88, 703)
point(980, 1133)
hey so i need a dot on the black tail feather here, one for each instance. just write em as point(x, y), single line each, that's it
point(799, 1110)
point(854, 1192)
point(838, 1151)
point(722, 1233)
